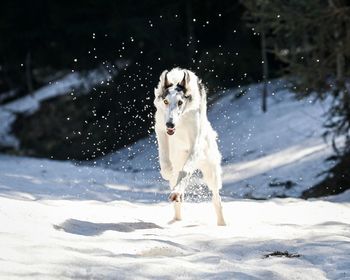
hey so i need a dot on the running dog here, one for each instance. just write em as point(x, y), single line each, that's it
point(186, 139)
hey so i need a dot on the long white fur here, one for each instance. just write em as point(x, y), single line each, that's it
point(193, 145)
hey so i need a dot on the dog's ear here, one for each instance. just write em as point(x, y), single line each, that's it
point(185, 85)
point(164, 82)
point(185, 80)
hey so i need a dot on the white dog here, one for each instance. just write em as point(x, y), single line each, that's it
point(186, 140)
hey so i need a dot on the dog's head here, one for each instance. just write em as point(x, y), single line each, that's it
point(173, 96)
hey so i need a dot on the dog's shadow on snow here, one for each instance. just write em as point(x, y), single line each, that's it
point(86, 228)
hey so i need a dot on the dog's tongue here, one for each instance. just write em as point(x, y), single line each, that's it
point(170, 131)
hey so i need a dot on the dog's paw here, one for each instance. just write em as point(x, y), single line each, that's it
point(176, 197)
point(221, 223)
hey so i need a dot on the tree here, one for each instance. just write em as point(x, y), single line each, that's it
point(261, 26)
point(312, 39)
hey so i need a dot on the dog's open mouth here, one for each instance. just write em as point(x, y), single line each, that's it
point(170, 131)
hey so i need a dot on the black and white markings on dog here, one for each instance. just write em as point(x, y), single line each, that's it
point(181, 90)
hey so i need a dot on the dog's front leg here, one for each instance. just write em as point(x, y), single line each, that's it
point(195, 146)
point(177, 193)
point(188, 168)
point(178, 190)
point(166, 170)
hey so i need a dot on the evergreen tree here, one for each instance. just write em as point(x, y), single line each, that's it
point(312, 39)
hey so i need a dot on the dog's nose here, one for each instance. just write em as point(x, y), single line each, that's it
point(169, 125)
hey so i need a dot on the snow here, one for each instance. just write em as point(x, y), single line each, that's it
point(6, 137)
point(259, 149)
point(29, 104)
point(63, 221)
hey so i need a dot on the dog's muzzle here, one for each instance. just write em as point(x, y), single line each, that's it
point(170, 128)
point(170, 131)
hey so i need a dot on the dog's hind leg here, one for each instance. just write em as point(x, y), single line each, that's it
point(218, 208)
point(212, 177)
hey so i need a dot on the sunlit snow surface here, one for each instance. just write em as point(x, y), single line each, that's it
point(65, 221)
point(61, 221)
point(273, 154)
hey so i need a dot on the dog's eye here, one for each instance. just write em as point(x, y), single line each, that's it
point(166, 102)
point(179, 103)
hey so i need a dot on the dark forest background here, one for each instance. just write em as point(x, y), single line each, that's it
point(44, 40)
point(227, 43)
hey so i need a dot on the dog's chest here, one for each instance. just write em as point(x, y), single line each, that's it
point(184, 137)
point(179, 142)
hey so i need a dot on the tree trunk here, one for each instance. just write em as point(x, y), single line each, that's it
point(265, 70)
point(29, 79)
point(7, 78)
point(191, 40)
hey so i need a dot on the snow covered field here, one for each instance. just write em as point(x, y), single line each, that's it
point(61, 221)
point(111, 220)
